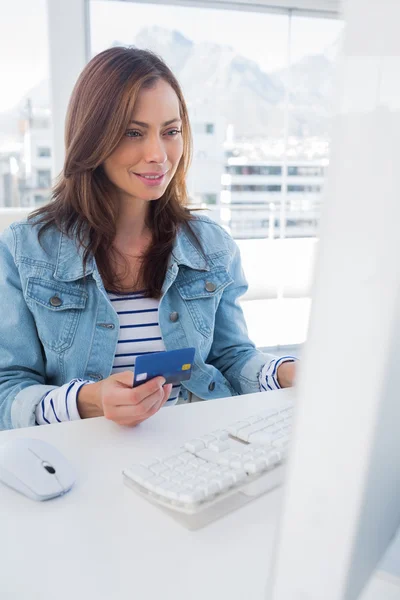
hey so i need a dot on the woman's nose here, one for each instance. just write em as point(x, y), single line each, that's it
point(155, 151)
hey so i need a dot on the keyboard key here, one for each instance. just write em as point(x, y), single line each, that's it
point(153, 482)
point(140, 473)
point(220, 434)
point(219, 446)
point(256, 466)
point(233, 429)
point(192, 496)
point(195, 445)
point(246, 432)
point(264, 436)
point(185, 457)
point(172, 462)
point(158, 468)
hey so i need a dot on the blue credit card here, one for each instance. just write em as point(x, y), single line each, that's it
point(174, 365)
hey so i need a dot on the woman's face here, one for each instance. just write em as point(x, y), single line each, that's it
point(148, 155)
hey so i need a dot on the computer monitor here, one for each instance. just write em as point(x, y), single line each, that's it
point(341, 503)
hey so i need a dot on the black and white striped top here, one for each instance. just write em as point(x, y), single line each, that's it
point(139, 332)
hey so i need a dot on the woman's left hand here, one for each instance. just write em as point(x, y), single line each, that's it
point(286, 374)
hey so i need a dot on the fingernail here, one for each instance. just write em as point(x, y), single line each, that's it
point(163, 380)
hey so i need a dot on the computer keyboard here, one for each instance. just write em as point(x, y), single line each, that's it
point(219, 471)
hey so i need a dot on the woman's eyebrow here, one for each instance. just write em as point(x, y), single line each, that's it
point(163, 125)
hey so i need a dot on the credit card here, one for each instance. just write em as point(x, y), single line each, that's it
point(174, 365)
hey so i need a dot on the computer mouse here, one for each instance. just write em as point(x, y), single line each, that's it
point(35, 468)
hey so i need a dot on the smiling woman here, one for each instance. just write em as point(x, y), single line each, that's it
point(116, 266)
point(151, 139)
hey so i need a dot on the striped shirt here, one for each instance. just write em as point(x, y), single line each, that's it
point(139, 333)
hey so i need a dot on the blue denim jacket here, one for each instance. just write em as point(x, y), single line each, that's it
point(45, 344)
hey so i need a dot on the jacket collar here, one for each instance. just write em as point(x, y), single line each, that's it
point(186, 252)
point(69, 266)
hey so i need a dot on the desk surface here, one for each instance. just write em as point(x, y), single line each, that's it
point(103, 541)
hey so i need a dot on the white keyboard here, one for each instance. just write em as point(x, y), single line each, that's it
point(217, 472)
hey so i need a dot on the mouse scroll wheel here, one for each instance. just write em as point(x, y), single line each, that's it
point(49, 468)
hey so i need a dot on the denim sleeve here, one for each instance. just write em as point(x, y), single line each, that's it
point(22, 370)
point(232, 352)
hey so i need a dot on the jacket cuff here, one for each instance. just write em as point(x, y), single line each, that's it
point(268, 378)
point(23, 408)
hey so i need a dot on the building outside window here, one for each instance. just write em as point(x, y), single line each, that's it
point(306, 171)
point(210, 198)
point(44, 152)
point(44, 178)
point(24, 99)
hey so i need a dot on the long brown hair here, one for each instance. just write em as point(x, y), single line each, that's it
point(83, 201)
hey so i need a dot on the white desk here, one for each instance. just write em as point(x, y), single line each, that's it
point(103, 542)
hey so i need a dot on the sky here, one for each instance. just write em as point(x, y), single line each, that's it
point(259, 36)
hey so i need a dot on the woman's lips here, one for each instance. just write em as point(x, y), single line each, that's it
point(151, 179)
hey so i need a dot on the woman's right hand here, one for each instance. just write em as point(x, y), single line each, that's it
point(117, 400)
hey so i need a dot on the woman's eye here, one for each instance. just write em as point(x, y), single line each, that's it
point(174, 132)
point(133, 133)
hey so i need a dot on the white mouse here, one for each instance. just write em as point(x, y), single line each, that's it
point(35, 468)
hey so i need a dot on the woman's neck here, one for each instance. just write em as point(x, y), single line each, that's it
point(132, 232)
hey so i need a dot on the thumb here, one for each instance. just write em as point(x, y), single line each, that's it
point(167, 390)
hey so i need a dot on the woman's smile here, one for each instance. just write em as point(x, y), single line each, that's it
point(151, 179)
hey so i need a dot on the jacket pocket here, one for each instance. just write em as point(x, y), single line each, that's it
point(201, 292)
point(56, 308)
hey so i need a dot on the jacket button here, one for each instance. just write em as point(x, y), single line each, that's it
point(174, 316)
point(210, 286)
point(55, 301)
point(211, 386)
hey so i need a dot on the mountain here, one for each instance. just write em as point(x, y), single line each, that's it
point(218, 81)
point(172, 46)
point(311, 89)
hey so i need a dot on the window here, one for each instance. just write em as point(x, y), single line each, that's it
point(236, 87)
point(253, 188)
point(306, 171)
point(209, 127)
point(315, 189)
point(210, 198)
point(253, 170)
point(44, 152)
point(256, 140)
point(24, 99)
point(43, 178)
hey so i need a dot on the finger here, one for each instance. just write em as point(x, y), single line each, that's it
point(135, 396)
point(147, 389)
point(160, 404)
point(128, 414)
point(130, 410)
point(152, 411)
point(156, 407)
point(133, 421)
point(167, 390)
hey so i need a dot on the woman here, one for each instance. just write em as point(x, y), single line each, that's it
point(116, 266)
